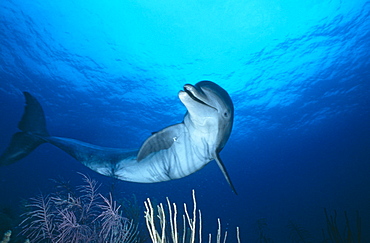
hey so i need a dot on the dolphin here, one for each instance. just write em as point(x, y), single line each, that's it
point(172, 153)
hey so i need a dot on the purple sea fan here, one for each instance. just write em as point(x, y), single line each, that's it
point(70, 230)
point(115, 227)
point(40, 222)
point(84, 217)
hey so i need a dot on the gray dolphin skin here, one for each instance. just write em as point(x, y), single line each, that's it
point(172, 153)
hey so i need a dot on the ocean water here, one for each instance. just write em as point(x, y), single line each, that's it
point(108, 73)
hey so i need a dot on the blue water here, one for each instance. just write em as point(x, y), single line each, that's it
point(108, 73)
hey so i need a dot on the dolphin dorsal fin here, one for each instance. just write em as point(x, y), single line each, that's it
point(159, 141)
point(223, 169)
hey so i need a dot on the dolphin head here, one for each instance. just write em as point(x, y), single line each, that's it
point(209, 118)
point(210, 111)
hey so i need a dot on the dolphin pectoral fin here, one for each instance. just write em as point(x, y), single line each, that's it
point(159, 141)
point(223, 169)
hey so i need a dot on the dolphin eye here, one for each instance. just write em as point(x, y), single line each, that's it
point(226, 114)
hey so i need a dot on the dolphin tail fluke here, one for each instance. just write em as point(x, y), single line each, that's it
point(33, 130)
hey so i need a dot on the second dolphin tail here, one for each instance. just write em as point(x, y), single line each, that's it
point(33, 130)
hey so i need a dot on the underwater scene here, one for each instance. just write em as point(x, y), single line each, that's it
point(185, 121)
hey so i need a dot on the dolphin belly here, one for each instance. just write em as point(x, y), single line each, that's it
point(177, 161)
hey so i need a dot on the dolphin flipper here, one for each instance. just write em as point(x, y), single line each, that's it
point(224, 171)
point(160, 140)
point(33, 127)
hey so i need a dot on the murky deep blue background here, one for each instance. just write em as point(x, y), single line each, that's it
point(108, 73)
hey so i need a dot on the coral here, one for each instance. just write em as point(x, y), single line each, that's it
point(89, 217)
point(335, 235)
point(298, 233)
point(8, 219)
point(171, 233)
point(114, 227)
point(6, 237)
point(262, 235)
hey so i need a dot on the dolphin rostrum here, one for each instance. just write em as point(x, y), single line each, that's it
point(172, 153)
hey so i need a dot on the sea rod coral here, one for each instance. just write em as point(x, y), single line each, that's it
point(165, 228)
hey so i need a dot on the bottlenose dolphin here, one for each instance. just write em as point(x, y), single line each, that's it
point(172, 153)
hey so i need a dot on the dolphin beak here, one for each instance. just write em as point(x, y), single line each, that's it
point(196, 94)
